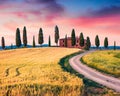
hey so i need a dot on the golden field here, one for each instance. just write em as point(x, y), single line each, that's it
point(107, 61)
point(36, 72)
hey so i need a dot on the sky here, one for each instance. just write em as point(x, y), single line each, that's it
point(92, 17)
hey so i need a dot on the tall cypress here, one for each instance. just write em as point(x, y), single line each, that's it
point(24, 36)
point(114, 45)
point(49, 42)
point(3, 43)
point(18, 38)
point(40, 37)
point(34, 41)
point(56, 35)
point(106, 42)
point(11, 46)
point(81, 40)
point(66, 41)
point(73, 38)
point(88, 43)
point(97, 41)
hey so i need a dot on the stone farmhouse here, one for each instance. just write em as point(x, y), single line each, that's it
point(69, 44)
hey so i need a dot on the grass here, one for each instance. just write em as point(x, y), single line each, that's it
point(91, 88)
point(107, 61)
point(36, 72)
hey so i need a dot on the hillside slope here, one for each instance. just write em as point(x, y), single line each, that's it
point(36, 71)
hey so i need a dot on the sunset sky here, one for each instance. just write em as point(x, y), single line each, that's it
point(92, 17)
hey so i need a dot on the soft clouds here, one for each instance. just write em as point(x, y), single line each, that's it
point(47, 13)
point(44, 9)
point(106, 11)
point(50, 5)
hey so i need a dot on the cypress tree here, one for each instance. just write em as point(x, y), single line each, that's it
point(73, 38)
point(56, 35)
point(81, 40)
point(88, 43)
point(114, 45)
point(49, 42)
point(66, 41)
point(18, 38)
point(40, 37)
point(106, 42)
point(3, 43)
point(24, 36)
point(97, 41)
point(11, 46)
point(34, 41)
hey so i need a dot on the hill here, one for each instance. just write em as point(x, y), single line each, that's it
point(107, 61)
point(35, 71)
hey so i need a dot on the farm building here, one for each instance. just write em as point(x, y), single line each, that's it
point(69, 44)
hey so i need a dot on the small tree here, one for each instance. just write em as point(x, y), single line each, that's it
point(18, 38)
point(49, 42)
point(88, 43)
point(11, 46)
point(81, 40)
point(114, 45)
point(66, 41)
point(34, 41)
point(40, 37)
point(106, 42)
point(56, 35)
point(73, 37)
point(24, 36)
point(97, 41)
point(3, 43)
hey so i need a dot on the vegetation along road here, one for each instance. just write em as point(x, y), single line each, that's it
point(92, 74)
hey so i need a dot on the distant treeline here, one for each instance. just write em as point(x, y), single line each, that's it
point(82, 43)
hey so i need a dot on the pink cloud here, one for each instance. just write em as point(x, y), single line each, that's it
point(95, 22)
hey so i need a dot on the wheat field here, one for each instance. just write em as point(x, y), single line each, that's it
point(36, 72)
point(107, 61)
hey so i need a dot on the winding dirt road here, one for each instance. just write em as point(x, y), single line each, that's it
point(92, 74)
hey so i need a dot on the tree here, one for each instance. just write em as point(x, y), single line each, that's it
point(11, 46)
point(49, 42)
point(88, 43)
point(18, 38)
point(34, 41)
point(56, 35)
point(66, 41)
point(3, 43)
point(40, 37)
point(114, 45)
point(106, 42)
point(24, 36)
point(97, 41)
point(81, 40)
point(73, 38)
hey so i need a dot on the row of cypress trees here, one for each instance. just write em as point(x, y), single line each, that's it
point(40, 38)
point(88, 42)
point(81, 40)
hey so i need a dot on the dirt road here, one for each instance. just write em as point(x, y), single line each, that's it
point(92, 74)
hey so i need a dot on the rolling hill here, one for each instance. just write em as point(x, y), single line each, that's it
point(35, 71)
